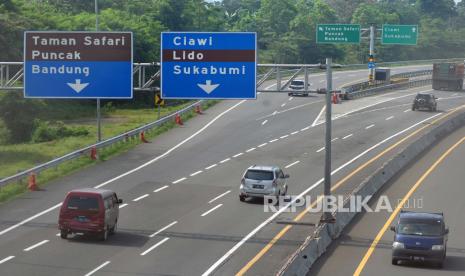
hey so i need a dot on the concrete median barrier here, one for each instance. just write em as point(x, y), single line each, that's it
point(317, 243)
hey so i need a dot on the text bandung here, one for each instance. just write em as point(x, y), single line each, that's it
point(62, 70)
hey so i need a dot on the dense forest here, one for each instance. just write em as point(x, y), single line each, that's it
point(285, 28)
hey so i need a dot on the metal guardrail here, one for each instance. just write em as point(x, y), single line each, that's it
point(80, 152)
point(365, 88)
point(375, 90)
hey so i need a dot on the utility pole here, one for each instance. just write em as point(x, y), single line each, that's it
point(99, 128)
point(327, 216)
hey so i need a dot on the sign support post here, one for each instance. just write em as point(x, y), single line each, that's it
point(371, 73)
point(327, 216)
point(99, 125)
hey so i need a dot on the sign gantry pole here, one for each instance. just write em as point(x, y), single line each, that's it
point(99, 125)
point(371, 54)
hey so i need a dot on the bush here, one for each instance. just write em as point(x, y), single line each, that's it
point(45, 131)
point(18, 115)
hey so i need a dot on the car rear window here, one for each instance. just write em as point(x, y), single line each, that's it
point(420, 228)
point(83, 203)
point(297, 82)
point(259, 175)
point(422, 96)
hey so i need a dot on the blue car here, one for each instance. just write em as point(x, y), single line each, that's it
point(420, 237)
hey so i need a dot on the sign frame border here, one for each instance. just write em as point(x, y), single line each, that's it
point(206, 98)
point(359, 34)
point(78, 98)
point(406, 44)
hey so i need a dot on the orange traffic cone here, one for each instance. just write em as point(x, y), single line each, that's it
point(178, 119)
point(93, 153)
point(142, 138)
point(32, 185)
point(198, 109)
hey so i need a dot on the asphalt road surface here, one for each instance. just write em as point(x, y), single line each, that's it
point(182, 215)
point(441, 190)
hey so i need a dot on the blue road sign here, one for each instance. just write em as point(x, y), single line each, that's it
point(197, 65)
point(371, 65)
point(80, 65)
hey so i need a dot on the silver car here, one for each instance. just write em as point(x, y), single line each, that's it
point(260, 181)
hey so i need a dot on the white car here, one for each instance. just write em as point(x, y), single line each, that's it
point(261, 181)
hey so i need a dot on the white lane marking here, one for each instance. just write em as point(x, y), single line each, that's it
point(335, 139)
point(160, 189)
point(455, 94)
point(155, 246)
point(335, 78)
point(370, 126)
point(347, 136)
point(123, 205)
point(295, 132)
point(212, 166)
point(97, 268)
point(171, 149)
point(264, 122)
point(163, 229)
point(220, 196)
point(141, 197)
point(305, 128)
point(292, 164)
point(262, 145)
point(249, 150)
point(321, 81)
point(231, 251)
point(290, 99)
point(318, 116)
point(389, 118)
point(6, 259)
point(225, 160)
point(58, 234)
point(283, 105)
point(274, 140)
point(237, 155)
point(179, 180)
point(284, 136)
point(196, 173)
point(35, 245)
point(29, 219)
point(211, 210)
point(289, 109)
point(406, 110)
point(321, 149)
point(351, 75)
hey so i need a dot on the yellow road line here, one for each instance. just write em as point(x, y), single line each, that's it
point(281, 233)
point(400, 205)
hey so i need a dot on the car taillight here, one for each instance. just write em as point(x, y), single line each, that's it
point(275, 184)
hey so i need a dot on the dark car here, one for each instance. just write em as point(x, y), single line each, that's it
point(89, 211)
point(420, 237)
point(424, 101)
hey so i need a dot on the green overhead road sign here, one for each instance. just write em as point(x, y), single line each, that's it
point(338, 33)
point(400, 34)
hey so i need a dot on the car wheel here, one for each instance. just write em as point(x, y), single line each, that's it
point(242, 198)
point(113, 229)
point(104, 235)
point(64, 234)
point(394, 261)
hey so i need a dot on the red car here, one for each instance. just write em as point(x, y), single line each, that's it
point(89, 211)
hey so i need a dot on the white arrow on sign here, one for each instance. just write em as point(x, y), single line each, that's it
point(78, 86)
point(208, 86)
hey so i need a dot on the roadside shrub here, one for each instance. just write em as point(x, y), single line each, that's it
point(45, 131)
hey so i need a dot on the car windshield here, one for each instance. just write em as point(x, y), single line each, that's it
point(259, 175)
point(420, 229)
point(83, 203)
point(297, 82)
point(423, 96)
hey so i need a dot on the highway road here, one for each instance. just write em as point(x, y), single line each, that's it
point(438, 176)
point(182, 215)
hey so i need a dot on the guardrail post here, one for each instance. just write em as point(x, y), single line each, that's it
point(278, 78)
